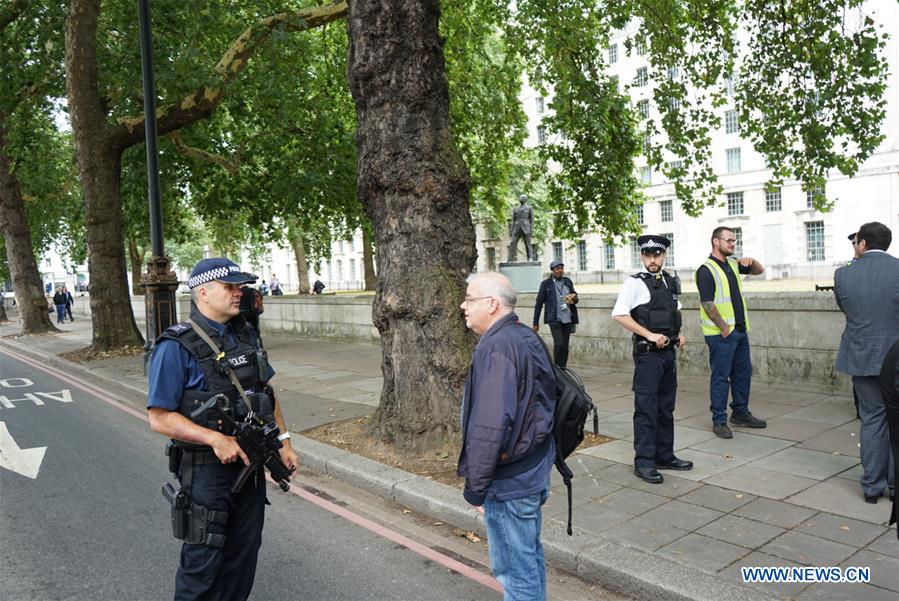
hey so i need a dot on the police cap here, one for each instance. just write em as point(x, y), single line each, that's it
point(652, 244)
point(219, 269)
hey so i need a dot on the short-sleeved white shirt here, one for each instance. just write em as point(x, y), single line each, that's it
point(633, 293)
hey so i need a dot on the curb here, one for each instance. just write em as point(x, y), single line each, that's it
point(610, 564)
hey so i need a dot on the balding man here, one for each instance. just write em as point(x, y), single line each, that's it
point(507, 444)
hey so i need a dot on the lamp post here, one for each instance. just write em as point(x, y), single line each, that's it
point(159, 282)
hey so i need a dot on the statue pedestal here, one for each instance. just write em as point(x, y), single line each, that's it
point(524, 275)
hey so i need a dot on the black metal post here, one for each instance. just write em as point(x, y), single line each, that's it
point(159, 282)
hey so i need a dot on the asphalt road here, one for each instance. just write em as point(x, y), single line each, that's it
point(92, 525)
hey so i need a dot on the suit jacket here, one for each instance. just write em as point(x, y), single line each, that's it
point(867, 292)
point(547, 295)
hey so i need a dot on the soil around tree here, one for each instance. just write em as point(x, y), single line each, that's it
point(354, 435)
point(90, 353)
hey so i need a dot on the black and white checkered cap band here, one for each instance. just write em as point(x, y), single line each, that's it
point(652, 244)
point(216, 273)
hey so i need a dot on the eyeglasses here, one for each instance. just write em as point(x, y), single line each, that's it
point(471, 299)
point(728, 240)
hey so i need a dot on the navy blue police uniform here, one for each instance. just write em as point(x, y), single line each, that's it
point(655, 369)
point(218, 557)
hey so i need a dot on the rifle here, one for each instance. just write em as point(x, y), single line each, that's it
point(257, 438)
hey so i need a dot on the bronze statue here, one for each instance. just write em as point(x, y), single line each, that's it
point(522, 227)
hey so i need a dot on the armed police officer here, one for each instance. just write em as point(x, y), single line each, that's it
point(648, 306)
point(215, 353)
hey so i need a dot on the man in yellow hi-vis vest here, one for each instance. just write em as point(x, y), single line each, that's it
point(725, 325)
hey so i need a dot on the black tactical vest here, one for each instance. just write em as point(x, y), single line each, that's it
point(247, 359)
point(660, 315)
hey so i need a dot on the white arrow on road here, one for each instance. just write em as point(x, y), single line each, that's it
point(26, 462)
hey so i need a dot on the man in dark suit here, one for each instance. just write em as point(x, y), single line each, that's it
point(889, 387)
point(867, 292)
point(557, 293)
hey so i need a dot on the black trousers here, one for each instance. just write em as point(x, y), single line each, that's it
point(561, 333)
point(225, 574)
point(655, 387)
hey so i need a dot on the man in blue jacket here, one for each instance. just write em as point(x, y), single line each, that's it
point(558, 293)
point(507, 444)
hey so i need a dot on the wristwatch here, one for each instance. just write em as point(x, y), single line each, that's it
point(283, 437)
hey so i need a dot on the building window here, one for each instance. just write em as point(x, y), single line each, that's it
point(731, 122)
point(669, 254)
point(673, 73)
point(636, 263)
point(666, 210)
point(640, 46)
point(557, 251)
point(491, 258)
point(674, 104)
point(613, 79)
point(640, 218)
point(814, 240)
point(773, 201)
point(328, 264)
point(647, 145)
point(609, 252)
point(810, 196)
point(339, 270)
point(733, 160)
point(540, 106)
point(643, 108)
point(582, 255)
point(734, 203)
point(352, 270)
point(675, 167)
point(541, 134)
point(642, 77)
point(738, 245)
point(613, 54)
point(729, 86)
point(645, 176)
point(340, 246)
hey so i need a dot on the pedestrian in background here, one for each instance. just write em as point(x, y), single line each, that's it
point(59, 301)
point(558, 294)
point(275, 286)
point(725, 326)
point(69, 302)
point(507, 445)
point(867, 292)
point(649, 307)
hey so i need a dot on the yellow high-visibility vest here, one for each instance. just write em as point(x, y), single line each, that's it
point(722, 298)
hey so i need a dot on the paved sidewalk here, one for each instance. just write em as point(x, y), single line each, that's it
point(784, 496)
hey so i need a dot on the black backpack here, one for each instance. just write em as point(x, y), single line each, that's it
point(573, 406)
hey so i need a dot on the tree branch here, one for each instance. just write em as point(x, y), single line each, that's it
point(231, 165)
point(11, 12)
point(200, 103)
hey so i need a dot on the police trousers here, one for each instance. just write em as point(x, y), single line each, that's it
point(227, 573)
point(655, 387)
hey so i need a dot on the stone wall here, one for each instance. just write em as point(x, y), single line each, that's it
point(794, 335)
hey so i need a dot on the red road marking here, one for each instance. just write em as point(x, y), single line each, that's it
point(382, 531)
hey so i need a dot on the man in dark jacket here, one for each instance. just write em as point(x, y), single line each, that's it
point(889, 387)
point(507, 444)
point(59, 301)
point(558, 293)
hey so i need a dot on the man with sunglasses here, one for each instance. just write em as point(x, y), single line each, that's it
point(725, 325)
point(648, 306)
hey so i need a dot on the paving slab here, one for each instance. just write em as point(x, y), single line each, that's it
point(762, 483)
point(703, 552)
point(780, 590)
point(836, 411)
point(619, 451)
point(672, 487)
point(681, 515)
point(776, 513)
point(643, 534)
point(842, 497)
point(836, 440)
point(715, 497)
point(806, 463)
point(884, 569)
point(796, 430)
point(841, 529)
point(807, 550)
point(741, 531)
point(687, 437)
point(886, 544)
point(845, 592)
point(707, 464)
point(743, 446)
point(629, 501)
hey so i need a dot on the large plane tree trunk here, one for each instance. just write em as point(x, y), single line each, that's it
point(414, 186)
point(26, 278)
point(99, 165)
point(299, 251)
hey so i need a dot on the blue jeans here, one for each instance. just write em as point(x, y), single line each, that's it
point(731, 372)
point(60, 313)
point(516, 553)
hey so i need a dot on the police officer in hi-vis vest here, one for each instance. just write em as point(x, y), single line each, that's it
point(648, 306)
point(216, 352)
point(725, 325)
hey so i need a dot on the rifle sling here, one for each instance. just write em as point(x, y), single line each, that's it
point(218, 354)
